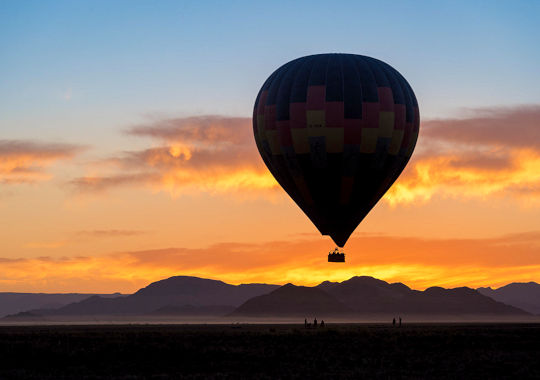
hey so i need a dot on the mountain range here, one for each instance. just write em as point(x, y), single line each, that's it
point(524, 295)
point(358, 297)
point(368, 296)
point(175, 295)
point(11, 303)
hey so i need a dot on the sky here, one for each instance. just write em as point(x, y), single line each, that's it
point(127, 155)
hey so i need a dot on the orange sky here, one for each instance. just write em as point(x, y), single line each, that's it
point(190, 196)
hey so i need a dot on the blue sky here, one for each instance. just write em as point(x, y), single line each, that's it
point(70, 67)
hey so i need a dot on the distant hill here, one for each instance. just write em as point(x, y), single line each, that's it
point(24, 316)
point(175, 292)
point(524, 295)
point(368, 295)
point(11, 303)
point(291, 300)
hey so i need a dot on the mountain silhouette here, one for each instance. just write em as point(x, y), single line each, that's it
point(175, 291)
point(524, 295)
point(368, 295)
point(24, 316)
point(357, 297)
point(11, 303)
point(291, 300)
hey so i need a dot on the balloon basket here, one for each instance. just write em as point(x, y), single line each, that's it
point(336, 256)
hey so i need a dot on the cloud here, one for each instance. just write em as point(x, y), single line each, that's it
point(23, 161)
point(501, 127)
point(417, 262)
point(489, 152)
point(101, 183)
point(201, 129)
point(209, 153)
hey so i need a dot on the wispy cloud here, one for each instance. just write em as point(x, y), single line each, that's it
point(202, 129)
point(211, 153)
point(101, 183)
point(489, 152)
point(501, 127)
point(415, 261)
point(24, 161)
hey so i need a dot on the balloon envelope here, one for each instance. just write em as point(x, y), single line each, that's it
point(336, 130)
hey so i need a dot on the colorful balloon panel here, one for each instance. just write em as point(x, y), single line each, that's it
point(336, 130)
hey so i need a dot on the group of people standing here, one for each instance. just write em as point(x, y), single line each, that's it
point(307, 325)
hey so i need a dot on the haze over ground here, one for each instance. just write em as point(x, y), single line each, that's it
point(115, 170)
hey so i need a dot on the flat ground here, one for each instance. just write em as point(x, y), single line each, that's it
point(270, 351)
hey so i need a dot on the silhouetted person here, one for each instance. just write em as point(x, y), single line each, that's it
point(322, 323)
point(315, 323)
point(305, 322)
point(394, 322)
point(399, 321)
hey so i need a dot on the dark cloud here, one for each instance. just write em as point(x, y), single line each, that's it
point(501, 127)
point(42, 150)
point(203, 158)
point(210, 129)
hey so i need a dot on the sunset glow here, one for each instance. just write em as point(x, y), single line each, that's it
point(129, 158)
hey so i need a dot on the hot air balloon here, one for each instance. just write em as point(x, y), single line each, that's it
point(336, 131)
